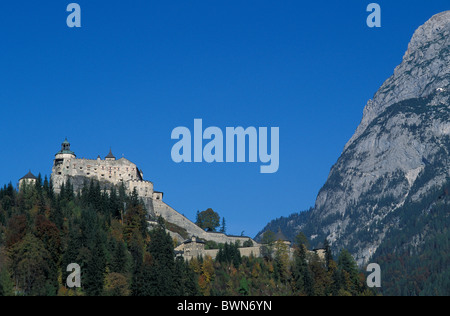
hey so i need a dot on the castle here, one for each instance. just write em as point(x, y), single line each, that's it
point(111, 172)
point(108, 172)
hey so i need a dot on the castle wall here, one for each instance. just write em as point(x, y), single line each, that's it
point(143, 188)
point(113, 172)
point(159, 208)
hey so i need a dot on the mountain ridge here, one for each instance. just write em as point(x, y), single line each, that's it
point(397, 156)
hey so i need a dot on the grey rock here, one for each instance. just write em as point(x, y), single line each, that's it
point(402, 140)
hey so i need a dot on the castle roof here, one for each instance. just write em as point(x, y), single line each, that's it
point(193, 239)
point(28, 176)
point(65, 148)
point(110, 155)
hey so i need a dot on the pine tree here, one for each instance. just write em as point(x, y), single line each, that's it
point(163, 261)
point(223, 228)
point(348, 271)
point(94, 274)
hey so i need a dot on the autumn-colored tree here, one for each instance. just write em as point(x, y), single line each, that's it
point(16, 229)
point(207, 275)
point(49, 234)
point(282, 261)
point(116, 284)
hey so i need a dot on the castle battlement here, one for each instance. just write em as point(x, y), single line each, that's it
point(140, 181)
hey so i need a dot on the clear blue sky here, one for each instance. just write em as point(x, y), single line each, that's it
point(137, 69)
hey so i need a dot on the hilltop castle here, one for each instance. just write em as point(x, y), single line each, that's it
point(108, 172)
point(111, 172)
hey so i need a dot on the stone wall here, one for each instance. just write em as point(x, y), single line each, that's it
point(112, 171)
point(160, 208)
point(143, 188)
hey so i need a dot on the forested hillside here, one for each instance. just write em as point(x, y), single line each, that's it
point(41, 233)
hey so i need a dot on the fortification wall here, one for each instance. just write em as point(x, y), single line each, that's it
point(245, 252)
point(159, 208)
point(251, 251)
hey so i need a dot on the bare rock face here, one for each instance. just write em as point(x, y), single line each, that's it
point(398, 153)
point(425, 68)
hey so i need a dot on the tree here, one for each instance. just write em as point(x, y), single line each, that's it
point(268, 241)
point(348, 271)
point(16, 230)
point(208, 220)
point(328, 254)
point(29, 262)
point(229, 253)
point(116, 284)
point(135, 217)
point(223, 227)
point(163, 261)
point(49, 234)
point(6, 284)
point(119, 257)
point(282, 261)
point(243, 287)
point(94, 273)
point(207, 276)
point(302, 282)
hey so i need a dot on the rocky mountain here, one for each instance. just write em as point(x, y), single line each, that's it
point(398, 158)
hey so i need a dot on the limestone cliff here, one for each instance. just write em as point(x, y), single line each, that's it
point(399, 152)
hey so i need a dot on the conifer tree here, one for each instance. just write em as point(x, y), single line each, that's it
point(163, 265)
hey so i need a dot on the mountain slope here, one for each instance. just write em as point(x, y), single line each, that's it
point(398, 156)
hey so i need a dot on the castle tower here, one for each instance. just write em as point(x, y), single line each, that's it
point(65, 151)
point(29, 178)
point(61, 170)
point(110, 156)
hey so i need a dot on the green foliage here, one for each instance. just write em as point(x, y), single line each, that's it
point(230, 254)
point(208, 220)
point(41, 233)
point(414, 258)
